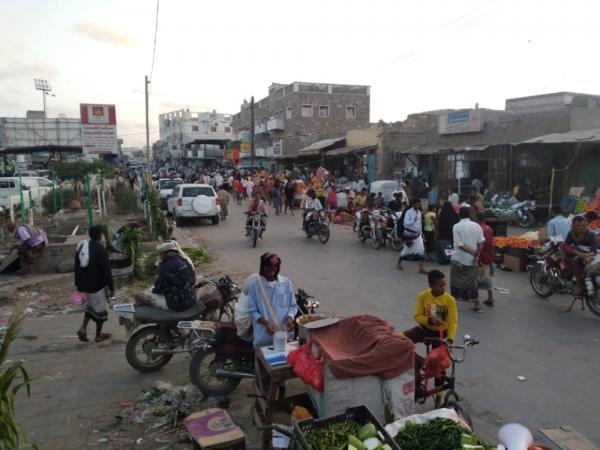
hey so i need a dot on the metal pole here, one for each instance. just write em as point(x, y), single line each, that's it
point(252, 129)
point(44, 97)
point(22, 213)
point(54, 192)
point(146, 83)
point(89, 200)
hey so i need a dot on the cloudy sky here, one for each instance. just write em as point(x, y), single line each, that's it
point(416, 56)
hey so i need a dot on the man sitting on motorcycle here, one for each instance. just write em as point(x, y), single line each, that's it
point(175, 286)
point(257, 205)
point(311, 204)
point(581, 246)
point(271, 301)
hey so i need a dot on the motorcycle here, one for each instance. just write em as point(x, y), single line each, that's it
point(525, 217)
point(255, 227)
point(222, 360)
point(318, 225)
point(363, 224)
point(378, 226)
point(153, 334)
point(393, 230)
point(552, 273)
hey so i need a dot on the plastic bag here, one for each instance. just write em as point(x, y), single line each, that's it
point(308, 367)
point(436, 362)
point(77, 298)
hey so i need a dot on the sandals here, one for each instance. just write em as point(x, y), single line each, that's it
point(82, 335)
point(103, 337)
point(489, 302)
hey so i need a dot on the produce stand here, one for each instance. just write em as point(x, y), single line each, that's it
point(515, 249)
point(499, 224)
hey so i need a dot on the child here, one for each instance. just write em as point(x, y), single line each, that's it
point(435, 311)
point(429, 231)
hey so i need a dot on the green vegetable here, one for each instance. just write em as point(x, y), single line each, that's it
point(372, 443)
point(367, 431)
point(356, 443)
point(333, 436)
point(437, 434)
point(386, 447)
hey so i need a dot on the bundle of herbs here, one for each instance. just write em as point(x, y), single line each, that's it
point(438, 434)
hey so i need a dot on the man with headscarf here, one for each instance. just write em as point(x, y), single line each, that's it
point(93, 277)
point(175, 286)
point(32, 242)
point(271, 301)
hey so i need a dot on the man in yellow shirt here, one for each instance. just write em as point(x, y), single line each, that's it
point(436, 310)
point(361, 199)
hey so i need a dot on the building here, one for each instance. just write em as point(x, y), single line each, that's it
point(299, 114)
point(527, 141)
point(192, 138)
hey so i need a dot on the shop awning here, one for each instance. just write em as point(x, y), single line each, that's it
point(40, 148)
point(435, 149)
point(350, 149)
point(316, 147)
point(574, 136)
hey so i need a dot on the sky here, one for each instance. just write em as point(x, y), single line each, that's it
point(416, 56)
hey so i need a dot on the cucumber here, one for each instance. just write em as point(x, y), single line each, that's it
point(367, 431)
point(353, 441)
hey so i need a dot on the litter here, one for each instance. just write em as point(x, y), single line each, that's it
point(502, 290)
point(521, 378)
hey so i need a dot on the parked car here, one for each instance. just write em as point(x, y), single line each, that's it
point(38, 186)
point(194, 200)
point(165, 187)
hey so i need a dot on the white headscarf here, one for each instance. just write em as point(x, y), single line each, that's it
point(173, 245)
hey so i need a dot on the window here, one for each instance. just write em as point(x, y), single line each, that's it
point(195, 128)
point(227, 129)
point(350, 112)
point(7, 184)
point(307, 111)
point(44, 183)
point(213, 128)
point(196, 191)
point(324, 111)
point(288, 112)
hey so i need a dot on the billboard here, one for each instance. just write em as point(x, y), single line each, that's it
point(98, 129)
point(245, 142)
point(466, 121)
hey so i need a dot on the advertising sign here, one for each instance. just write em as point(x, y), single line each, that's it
point(277, 147)
point(98, 129)
point(245, 142)
point(466, 121)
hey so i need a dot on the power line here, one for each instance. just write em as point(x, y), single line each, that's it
point(154, 46)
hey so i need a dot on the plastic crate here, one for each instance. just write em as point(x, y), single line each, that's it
point(360, 414)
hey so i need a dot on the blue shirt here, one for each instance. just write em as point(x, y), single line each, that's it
point(281, 295)
point(559, 226)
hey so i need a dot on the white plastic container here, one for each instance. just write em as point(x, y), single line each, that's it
point(279, 340)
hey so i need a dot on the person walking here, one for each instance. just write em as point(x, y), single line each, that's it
point(277, 197)
point(289, 191)
point(224, 200)
point(468, 243)
point(486, 260)
point(429, 232)
point(446, 221)
point(93, 277)
point(412, 237)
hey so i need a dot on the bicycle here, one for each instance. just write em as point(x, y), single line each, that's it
point(445, 383)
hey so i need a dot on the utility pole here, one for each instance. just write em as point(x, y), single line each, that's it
point(146, 83)
point(252, 128)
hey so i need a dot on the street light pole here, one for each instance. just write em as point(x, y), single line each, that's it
point(146, 83)
point(42, 85)
point(252, 129)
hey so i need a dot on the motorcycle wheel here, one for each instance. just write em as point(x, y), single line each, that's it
point(324, 234)
point(254, 237)
point(526, 220)
point(146, 339)
point(376, 241)
point(540, 282)
point(362, 236)
point(593, 303)
point(202, 375)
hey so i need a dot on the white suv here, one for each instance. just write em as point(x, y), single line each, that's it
point(194, 200)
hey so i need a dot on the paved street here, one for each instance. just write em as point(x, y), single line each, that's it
point(521, 336)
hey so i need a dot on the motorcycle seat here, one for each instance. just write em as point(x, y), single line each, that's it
point(152, 314)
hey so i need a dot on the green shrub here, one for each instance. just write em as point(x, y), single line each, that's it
point(77, 170)
point(126, 200)
point(68, 196)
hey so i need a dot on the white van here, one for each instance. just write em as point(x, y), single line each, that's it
point(38, 186)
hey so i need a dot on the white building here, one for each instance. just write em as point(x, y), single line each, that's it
point(195, 135)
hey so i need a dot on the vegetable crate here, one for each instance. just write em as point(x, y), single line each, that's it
point(359, 414)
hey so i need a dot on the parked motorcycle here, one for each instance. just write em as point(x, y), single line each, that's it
point(318, 225)
point(525, 217)
point(255, 227)
point(222, 360)
point(393, 230)
point(363, 224)
point(552, 273)
point(153, 345)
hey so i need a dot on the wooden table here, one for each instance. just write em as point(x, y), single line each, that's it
point(269, 392)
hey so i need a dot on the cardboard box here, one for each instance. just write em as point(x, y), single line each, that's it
point(213, 429)
point(514, 263)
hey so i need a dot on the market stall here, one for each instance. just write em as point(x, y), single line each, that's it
point(513, 251)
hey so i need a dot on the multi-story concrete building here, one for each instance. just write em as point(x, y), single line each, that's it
point(195, 136)
point(296, 115)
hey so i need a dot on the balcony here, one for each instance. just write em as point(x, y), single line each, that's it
point(275, 125)
point(260, 128)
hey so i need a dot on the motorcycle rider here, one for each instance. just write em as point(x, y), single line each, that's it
point(311, 204)
point(257, 205)
point(174, 288)
point(581, 246)
point(271, 301)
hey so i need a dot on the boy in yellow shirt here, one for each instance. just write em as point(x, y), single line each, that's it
point(436, 310)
